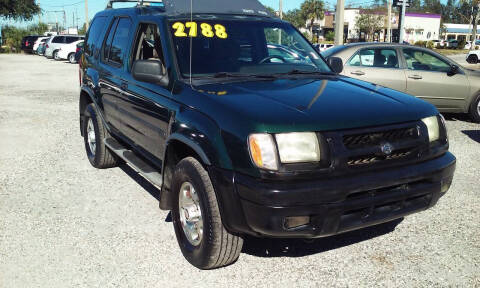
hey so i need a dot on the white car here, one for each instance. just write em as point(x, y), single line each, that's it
point(56, 42)
point(68, 51)
point(473, 57)
point(324, 47)
point(37, 43)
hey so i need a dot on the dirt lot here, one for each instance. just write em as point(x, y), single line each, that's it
point(66, 224)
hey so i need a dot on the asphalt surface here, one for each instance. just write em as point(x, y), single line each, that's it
point(65, 224)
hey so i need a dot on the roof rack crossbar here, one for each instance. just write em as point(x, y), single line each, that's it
point(139, 2)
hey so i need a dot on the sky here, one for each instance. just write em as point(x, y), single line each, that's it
point(77, 7)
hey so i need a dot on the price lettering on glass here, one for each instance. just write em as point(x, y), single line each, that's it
point(205, 29)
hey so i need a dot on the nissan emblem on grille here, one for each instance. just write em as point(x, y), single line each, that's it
point(386, 148)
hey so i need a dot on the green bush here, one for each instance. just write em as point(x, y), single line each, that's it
point(420, 43)
point(430, 45)
point(12, 35)
point(330, 36)
point(461, 44)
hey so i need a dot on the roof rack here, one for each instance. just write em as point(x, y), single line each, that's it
point(139, 2)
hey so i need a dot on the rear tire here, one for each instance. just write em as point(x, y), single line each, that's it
point(71, 58)
point(55, 55)
point(94, 134)
point(472, 59)
point(475, 109)
point(214, 247)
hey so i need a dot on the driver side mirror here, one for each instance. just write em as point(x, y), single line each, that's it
point(453, 70)
point(336, 64)
point(151, 71)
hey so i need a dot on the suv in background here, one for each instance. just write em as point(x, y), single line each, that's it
point(56, 42)
point(240, 141)
point(28, 43)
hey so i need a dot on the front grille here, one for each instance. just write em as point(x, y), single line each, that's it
point(376, 138)
point(371, 159)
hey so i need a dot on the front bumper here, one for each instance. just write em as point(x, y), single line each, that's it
point(334, 205)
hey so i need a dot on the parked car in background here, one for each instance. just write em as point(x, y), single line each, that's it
point(414, 70)
point(68, 51)
point(41, 48)
point(473, 57)
point(322, 47)
point(38, 42)
point(56, 42)
point(438, 43)
point(452, 43)
point(28, 42)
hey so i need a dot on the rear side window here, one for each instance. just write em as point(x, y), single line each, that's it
point(120, 41)
point(380, 58)
point(93, 35)
point(422, 60)
point(71, 39)
point(59, 39)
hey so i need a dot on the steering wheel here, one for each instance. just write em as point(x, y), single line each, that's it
point(272, 57)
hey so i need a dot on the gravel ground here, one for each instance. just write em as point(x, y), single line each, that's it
point(66, 224)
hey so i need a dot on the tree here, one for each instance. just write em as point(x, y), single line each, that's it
point(330, 36)
point(19, 9)
point(295, 17)
point(312, 10)
point(369, 21)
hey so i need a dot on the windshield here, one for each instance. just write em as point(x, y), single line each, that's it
point(242, 47)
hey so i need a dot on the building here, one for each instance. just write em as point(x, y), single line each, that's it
point(418, 26)
point(459, 31)
point(422, 27)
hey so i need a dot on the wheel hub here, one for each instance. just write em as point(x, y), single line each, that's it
point(91, 139)
point(190, 214)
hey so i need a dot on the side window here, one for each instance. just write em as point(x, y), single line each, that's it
point(58, 39)
point(71, 39)
point(421, 60)
point(93, 35)
point(148, 45)
point(120, 41)
point(381, 58)
point(108, 42)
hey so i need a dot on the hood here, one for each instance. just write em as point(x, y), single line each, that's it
point(331, 103)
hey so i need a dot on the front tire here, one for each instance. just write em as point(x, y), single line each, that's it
point(94, 134)
point(475, 109)
point(71, 58)
point(203, 239)
point(472, 59)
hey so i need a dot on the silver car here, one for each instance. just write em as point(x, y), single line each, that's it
point(414, 70)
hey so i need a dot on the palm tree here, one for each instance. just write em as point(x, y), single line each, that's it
point(312, 10)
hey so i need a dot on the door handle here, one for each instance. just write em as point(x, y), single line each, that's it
point(416, 77)
point(359, 73)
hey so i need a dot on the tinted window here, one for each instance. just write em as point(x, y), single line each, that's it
point(108, 42)
point(421, 60)
point(120, 41)
point(93, 35)
point(59, 39)
point(381, 58)
point(71, 39)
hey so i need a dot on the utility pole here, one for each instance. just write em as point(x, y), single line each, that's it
point(339, 22)
point(280, 13)
point(402, 21)
point(389, 24)
point(39, 14)
point(86, 14)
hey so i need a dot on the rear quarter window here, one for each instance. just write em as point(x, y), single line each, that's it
point(59, 39)
point(94, 34)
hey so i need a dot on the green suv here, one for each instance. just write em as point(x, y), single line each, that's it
point(241, 139)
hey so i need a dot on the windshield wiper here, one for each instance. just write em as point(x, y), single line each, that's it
point(300, 72)
point(238, 75)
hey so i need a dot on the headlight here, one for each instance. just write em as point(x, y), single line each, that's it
point(262, 151)
point(433, 128)
point(298, 147)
